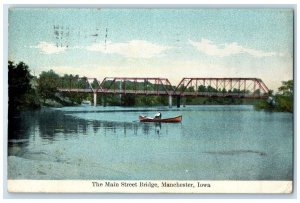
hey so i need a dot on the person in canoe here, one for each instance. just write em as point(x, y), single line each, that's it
point(157, 115)
point(158, 118)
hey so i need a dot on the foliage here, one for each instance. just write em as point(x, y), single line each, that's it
point(282, 101)
point(20, 92)
point(73, 81)
point(47, 84)
point(287, 88)
point(127, 100)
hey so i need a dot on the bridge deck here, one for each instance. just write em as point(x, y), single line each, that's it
point(164, 93)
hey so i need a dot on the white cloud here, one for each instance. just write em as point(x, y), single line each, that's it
point(49, 48)
point(212, 49)
point(131, 49)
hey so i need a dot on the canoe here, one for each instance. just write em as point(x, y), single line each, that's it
point(176, 119)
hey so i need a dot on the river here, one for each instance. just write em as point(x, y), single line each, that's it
point(108, 143)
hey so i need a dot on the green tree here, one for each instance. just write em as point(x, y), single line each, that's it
point(20, 92)
point(287, 88)
point(284, 97)
point(47, 84)
point(191, 89)
point(282, 101)
point(211, 89)
point(201, 88)
point(127, 100)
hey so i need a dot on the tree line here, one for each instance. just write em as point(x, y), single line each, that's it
point(29, 92)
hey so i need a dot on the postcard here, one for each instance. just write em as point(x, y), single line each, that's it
point(150, 100)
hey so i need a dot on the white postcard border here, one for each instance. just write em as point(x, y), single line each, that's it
point(149, 186)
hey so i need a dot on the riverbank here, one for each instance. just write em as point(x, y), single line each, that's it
point(43, 168)
point(278, 103)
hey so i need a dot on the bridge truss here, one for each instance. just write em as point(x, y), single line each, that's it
point(137, 86)
point(222, 87)
point(247, 88)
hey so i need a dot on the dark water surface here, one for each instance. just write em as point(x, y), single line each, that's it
point(211, 143)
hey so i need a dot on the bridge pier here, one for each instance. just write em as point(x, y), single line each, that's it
point(178, 101)
point(95, 99)
point(170, 101)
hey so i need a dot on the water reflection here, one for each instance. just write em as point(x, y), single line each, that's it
point(208, 144)
point(50, 123)
point(157, 128)
point(18, 131)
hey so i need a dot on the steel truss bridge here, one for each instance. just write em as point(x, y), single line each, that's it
point(247, 88)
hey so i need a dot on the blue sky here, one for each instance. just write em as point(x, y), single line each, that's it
point(172, 43)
